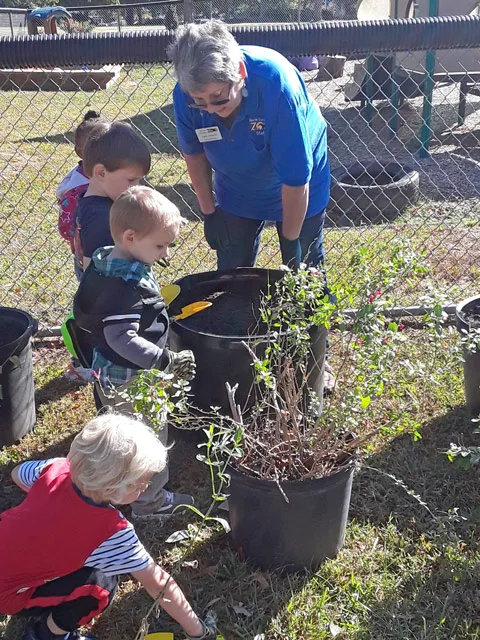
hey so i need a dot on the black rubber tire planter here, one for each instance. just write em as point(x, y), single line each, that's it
point(371, 193)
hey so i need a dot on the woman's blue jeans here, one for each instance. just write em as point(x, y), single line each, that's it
point(242, 241)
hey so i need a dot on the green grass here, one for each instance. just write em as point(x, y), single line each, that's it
point(405, 572)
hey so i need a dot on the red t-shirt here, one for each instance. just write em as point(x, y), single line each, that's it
point(49, 535)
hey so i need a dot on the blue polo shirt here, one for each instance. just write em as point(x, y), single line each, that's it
point(279, 137)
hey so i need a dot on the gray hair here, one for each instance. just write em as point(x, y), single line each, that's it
point(205, 53)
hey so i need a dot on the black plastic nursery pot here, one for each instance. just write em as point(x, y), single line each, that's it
point(301, 533)
point(216, 335)
point(468, 318)
point(17, 400)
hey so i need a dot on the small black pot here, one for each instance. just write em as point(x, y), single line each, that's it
point(471, 365)
point(293, 535)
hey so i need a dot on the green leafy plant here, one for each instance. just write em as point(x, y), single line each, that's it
point(291, 433)
point(158, 397)
point(464, 457)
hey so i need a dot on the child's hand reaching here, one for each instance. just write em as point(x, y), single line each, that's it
point(210, 627)
point(181, 364)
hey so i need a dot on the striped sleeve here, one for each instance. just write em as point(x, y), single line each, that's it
point(121, 553)
point(29, 472)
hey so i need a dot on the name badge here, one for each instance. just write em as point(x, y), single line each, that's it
point(208, 134)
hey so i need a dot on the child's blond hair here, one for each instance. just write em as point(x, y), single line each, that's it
point(143, 209)
point(112, 453)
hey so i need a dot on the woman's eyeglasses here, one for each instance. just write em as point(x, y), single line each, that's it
point(213, 103)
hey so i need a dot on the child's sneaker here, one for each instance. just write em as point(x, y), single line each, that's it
point(30, 634)
point(172, 506)
point(77, 373)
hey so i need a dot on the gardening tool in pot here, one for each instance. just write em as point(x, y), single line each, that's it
point(169, 293)
point(191, 309)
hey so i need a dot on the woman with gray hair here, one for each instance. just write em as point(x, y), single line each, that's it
point(244, 112)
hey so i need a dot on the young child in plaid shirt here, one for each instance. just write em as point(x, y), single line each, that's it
point(119, 303)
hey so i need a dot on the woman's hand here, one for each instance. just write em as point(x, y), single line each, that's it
point(215, 228)
point(291, 252)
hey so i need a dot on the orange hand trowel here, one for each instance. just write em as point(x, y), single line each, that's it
point(188, 311)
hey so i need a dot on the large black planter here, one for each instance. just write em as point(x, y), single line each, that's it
point(293, 535)
point(471, 365)
point(219, 353)
point(17, 401)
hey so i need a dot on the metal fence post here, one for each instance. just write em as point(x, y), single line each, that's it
point(428, 85)
point(395, 95)
point(119, 22)
point(318, 10)
point(369, 89)
point(188, 10)
point(11, 23)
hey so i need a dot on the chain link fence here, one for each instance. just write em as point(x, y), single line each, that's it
point(13, 22)
point(128, 17)
point(404, 148)
point(168, 14)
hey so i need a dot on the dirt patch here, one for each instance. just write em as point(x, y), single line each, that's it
point(234, 310)
point(232, 313)
point(454, 255)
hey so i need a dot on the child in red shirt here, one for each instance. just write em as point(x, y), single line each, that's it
point(66, 571)
point(74, 184)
